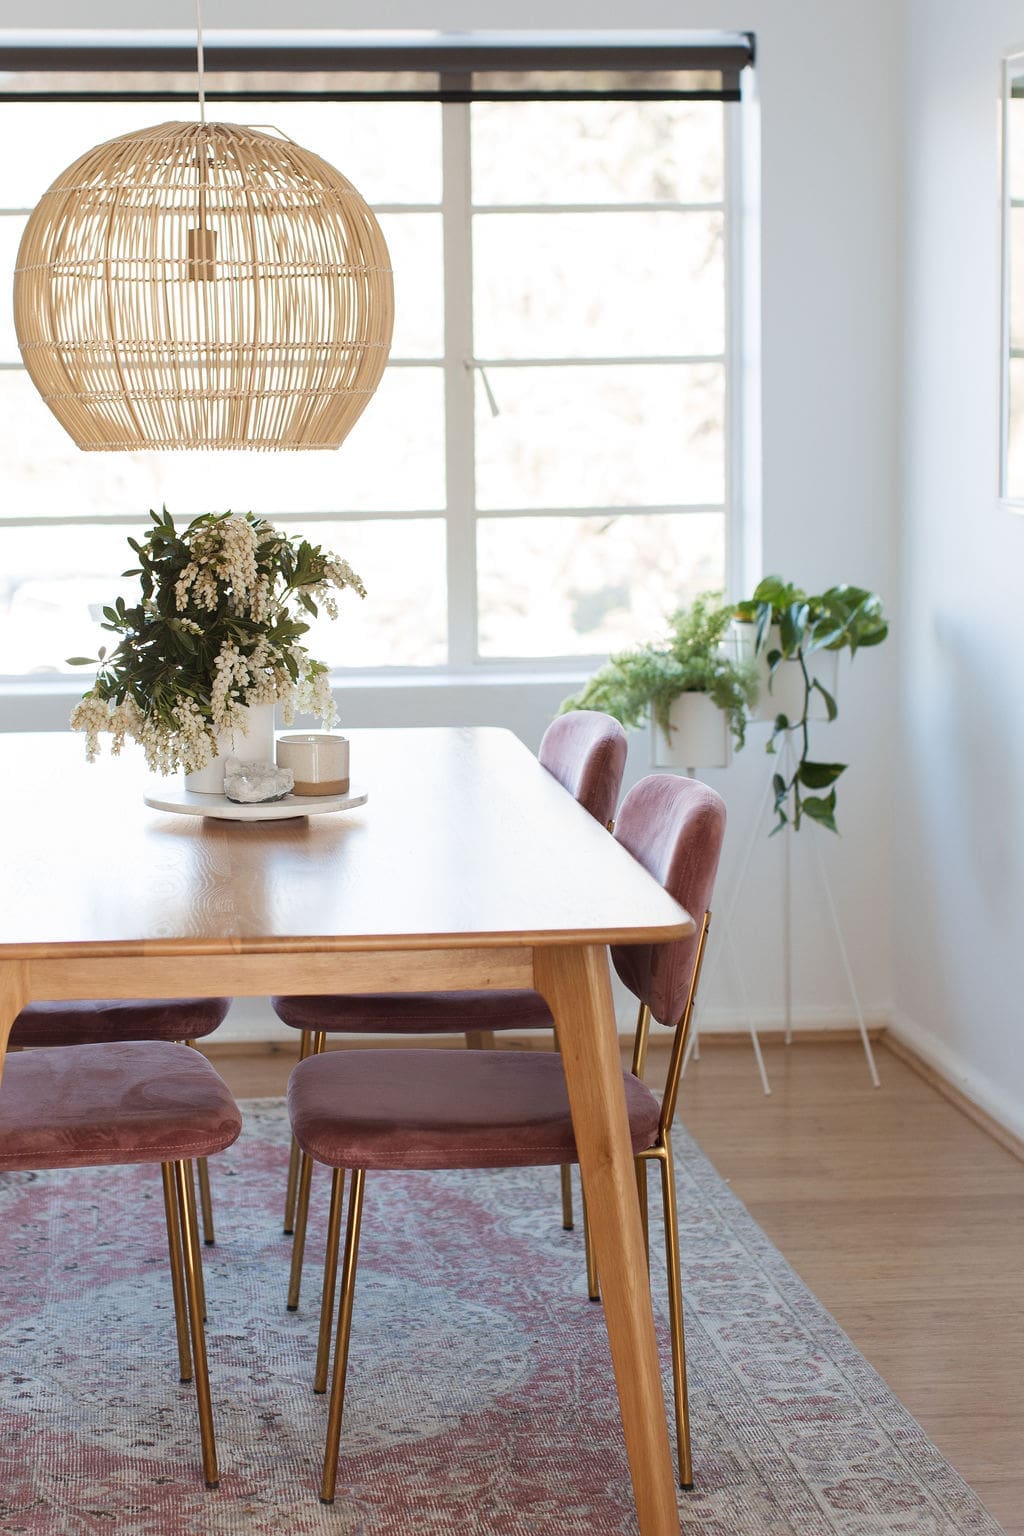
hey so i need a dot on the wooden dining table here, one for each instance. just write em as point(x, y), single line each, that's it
point(469, 866)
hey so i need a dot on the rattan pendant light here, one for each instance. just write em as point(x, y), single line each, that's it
point(204, 285)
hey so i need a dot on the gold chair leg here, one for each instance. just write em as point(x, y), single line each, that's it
point(348, 1285)
point(566, 1175)
point(293, 1159)
point(641, 1189)
point(205, 1201)
point(675, 1313)
point(191, 1196)
point(593, 1288)
point(183, 1175)
point(174, 1243)
point(302, 1207)
point(323, 1348)
point(292, 1189)
point(204, 1183)
point(299, 1240)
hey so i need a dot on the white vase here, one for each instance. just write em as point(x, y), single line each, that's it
point(698, 736)
point(784, 693)
point(254, 744)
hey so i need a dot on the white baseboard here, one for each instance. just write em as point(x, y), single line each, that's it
point(971, 1085)
point(804, 1020)
point(253, 1019)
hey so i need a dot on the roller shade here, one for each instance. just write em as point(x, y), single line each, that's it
point(512, 67)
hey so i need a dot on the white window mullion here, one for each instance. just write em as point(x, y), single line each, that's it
point(459, 384)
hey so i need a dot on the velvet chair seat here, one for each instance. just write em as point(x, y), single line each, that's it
point(416, 1013)
point(87, 1106)
point(444, 1109)
point(94, 1022)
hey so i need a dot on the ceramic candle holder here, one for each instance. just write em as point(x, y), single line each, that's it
point(319, 762)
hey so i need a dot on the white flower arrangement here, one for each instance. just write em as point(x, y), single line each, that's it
point(218, 627)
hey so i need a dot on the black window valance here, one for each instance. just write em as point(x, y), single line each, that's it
point(380, 67)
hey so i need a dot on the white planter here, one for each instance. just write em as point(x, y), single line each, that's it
point(698, 735)
point(253, 745)
point(785, 694)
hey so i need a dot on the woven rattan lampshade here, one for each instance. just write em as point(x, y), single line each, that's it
point(204, 285)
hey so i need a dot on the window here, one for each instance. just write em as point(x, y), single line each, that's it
point(545, 469)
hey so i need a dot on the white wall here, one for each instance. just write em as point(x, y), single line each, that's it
point(830, 81)
point(959, 972)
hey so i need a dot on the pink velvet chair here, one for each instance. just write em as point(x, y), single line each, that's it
point(95, 1106)
point(586, 752)
point(109, 1021)
point(424, 1109)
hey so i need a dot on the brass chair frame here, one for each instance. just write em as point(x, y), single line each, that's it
point(660, 1152)
point(189, 1296)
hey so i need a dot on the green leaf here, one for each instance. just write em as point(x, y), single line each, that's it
point(830, 704)
point(819, 775)
point(822, 810)
point(781, 724)
point(773, 590)
point(80, 661)
point(792, 625)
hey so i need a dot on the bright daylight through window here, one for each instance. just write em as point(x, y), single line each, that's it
point(543, 473)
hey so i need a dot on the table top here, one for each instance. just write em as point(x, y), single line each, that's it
point(465, 842)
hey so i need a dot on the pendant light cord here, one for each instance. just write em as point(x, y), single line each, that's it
point(199, 61)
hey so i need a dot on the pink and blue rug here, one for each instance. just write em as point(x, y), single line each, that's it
point(480, 1401)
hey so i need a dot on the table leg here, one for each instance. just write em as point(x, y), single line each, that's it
point(13, 997)
point(575, 983)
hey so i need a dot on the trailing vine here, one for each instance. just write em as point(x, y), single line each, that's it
point(843, 618)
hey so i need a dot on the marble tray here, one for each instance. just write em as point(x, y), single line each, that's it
point(163, 795)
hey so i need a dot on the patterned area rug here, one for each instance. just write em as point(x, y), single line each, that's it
point(481, 1400)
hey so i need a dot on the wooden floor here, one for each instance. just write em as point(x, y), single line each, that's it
point(903, 1217)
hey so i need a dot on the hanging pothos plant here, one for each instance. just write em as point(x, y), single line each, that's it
point(843, 618)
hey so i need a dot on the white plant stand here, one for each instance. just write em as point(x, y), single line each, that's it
point(786, 764)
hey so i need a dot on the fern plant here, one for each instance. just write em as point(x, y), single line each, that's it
point(647, 680)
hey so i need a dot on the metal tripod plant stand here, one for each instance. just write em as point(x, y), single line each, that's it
point(785, 764)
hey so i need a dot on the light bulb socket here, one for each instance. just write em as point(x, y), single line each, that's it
point(202, 254)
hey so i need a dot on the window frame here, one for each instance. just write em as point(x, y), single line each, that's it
point(459, 366)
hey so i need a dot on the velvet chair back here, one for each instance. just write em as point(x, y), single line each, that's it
point(674, 827)
point(586, 752)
